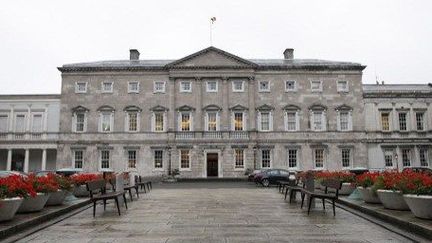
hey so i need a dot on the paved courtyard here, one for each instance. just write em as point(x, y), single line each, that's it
point(213, 212)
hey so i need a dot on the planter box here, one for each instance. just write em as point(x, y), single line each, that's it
point(346, 189)
point(392, 199)
point(8, 207)
point(56, 198)
point(80, 191)
point(34, 204)
point(368, 195)
point(420, 205)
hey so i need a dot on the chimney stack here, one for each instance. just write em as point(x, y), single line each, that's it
point(289, 53)
point(134, 54)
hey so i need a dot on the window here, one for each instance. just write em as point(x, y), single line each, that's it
point(4, 123)
point(402, 121)
point(184, 159)
point(239, 158)
point(385, 121)
point(158, 159)
point(388, 158)
point(265, 121)
point(159, 122)
point(316, 86)
point(185, 86)
point(238, 121)
point(133, 87)
point(159, 87)
point(106, 125)
point(132, 158)
point(132, 121)
point(264, 86)
point(290, 86)
point(78, 159)
point(292, 158)
point(185, 124)
point(238, 86)
point(20, 123)
point(406, 157)
point(265, 158)
point(37, 123)
point(420, 121)
point(317, 121)
point(212, 86)
point(423, 156)
point(342, 86)
point(344, 121)
point(346, 157)
point(80, 122)
point(291, 121)
point(105, 159)
point(319, 158)
point(81, 87)
point(107, 87)
point(212, 121)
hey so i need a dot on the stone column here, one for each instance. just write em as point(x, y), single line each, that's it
point(251, 103)
point(26, 160)
point(45, 117)
point(9, 160)
point(44, 158)
point(11, 120)
point(28, 119)
point(172, 111)
point(198, 116)
point(225, 121)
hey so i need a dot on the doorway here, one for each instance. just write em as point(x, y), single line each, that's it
point(212, 165)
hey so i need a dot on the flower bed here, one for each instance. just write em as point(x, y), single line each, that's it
point(43, 185)
point(12, 191)
point(364, 184)
point(417, 190)
point(345, 177)
point(79, 181)
point(388, 190)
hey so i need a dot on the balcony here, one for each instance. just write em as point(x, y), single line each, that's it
point(212, 135)
point(28, 136)
point(239, 135)
point(185, 135)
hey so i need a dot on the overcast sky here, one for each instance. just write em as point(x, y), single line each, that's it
point(393, 38)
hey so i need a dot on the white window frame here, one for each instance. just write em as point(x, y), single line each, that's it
point(7, 121)
point(109, 160)
point(128, 158)
point(349, 120)
point(291, 90)
point(238, 90)
point(320, 88)
point(206, 121)
point(127, 119)
point(350, 163)
point(297, 158)
point(426, 156)
point(131, 91)
point(164, 120)
point(339, 89)
point(182, 90)
point(154, 160)
point(102, 113)
point(235, 159)
point(74, 158)
point(389, 152)
point(189, 160)
point(191, 123)
point(323, 120)
point(161, 91)
point(77, 91)
point(270, 116)
point(423, 121)
point(15, 122)
point(244, 128)
point(212, 90)
point(75, 121)
point(264, 90)
point(33, 114)
point(409, 157)
point(270, 157)
point(103, 86)
point(315, 158)
point(407, 118)
point(297, 120)
point(389, 121)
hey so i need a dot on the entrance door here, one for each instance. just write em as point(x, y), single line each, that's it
point(212, 164)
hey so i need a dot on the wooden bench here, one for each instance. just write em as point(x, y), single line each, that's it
point(126, 187)
point(329, 183)
point(142, 184)
point(97, 190)
point(293, 189)
point(283, 184)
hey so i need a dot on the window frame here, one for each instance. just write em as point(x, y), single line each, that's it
point(7, 125)
point(103, 87)
point(233, 121)
point(32, 122)
point(129, 159)
point(296, 119)
point(180, 123)
point(101, 160)
point(154, 121)
point(319, 89)
point(269, 158)
point(127, 121)
point(349, 125)
point(422, 121)
point(181, 168)
point(75, 121)
point(260, 90)
point(77, 91)
point(74, 158)
point(155, 151)
point(234, 90)
point(161, 91)
point(131, 91)
point(323, 121)
point(388, 113)
point(406, 128)
point(339, 90)
point(260, 121)
point(425, 157)
point(323, 158)
point(294, 87)
point(237, 165)
point(111, 114)
point(406, 157)
point(207, 121)
point(211, 90)
point(182, 90)
point(25, 121)
point(296, 158)
point(350, 158)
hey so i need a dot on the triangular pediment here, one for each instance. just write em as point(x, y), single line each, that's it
point(238, 108)
point(265, 107)
point(211, 57)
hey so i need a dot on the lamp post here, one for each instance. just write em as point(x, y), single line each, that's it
point(397, 161)
point(169, 160)
point(254, 150)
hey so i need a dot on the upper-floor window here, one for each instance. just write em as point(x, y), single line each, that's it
point(132, 158)
point(402, 121)
point(133, 87)
point(78, 159)
point(264, 86)
point(184, 159)
point(420, 121)
point(4, 123)
point(406, 157)
point(319, 158)
point(292, 158)
point(316, 86)
point(291, 123)
point(158, 159)
point(186, 86)
point(290, 86)
point(265, 121)
point(105, 159)
point(344, 120)
point(80, 122)
point(159, 87)
point(385, 121)
point(212, 118)
point(37, 123)
point(132, 121)
point(238, 121)
point(318, 121)
point(107, 87)
point(238, 86)
point(239, 158)
point(185, 121)
point(342, 86)
point(266, 158)
point(20, 123)
point(81, 87)
point(212, 86)
point(159, 121)
point(346, 157)
point(106, 121)
point(423, 157)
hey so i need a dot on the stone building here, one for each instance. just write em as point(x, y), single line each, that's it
point(212, 114)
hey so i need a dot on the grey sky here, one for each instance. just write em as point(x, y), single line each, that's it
point(393, 38)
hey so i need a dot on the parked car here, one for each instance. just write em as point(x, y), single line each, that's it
point(44, 172)
point(252, 175)
point(419, 169)
point(272, 176)
point(6, 173)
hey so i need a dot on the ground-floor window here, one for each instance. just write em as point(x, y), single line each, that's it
point(388, 158)
point(423, 156)
point(265, 158)
point(292, 158)
point(132, 158)
point(78, 159)
point(319, 158)
point(184, 159)
point(346, 157)
point(239, 158)
point(406, 157)
point(105, 159)
point(158, 159)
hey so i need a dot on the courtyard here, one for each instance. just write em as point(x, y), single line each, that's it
point(213, 212)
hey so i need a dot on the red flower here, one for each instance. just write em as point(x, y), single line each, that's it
point(80, 179)
point(16, 186)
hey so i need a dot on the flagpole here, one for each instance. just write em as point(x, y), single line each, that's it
point(211, 32)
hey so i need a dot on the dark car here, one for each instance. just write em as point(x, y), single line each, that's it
point(419, 169)
point(252, 175)
point(272, 176)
